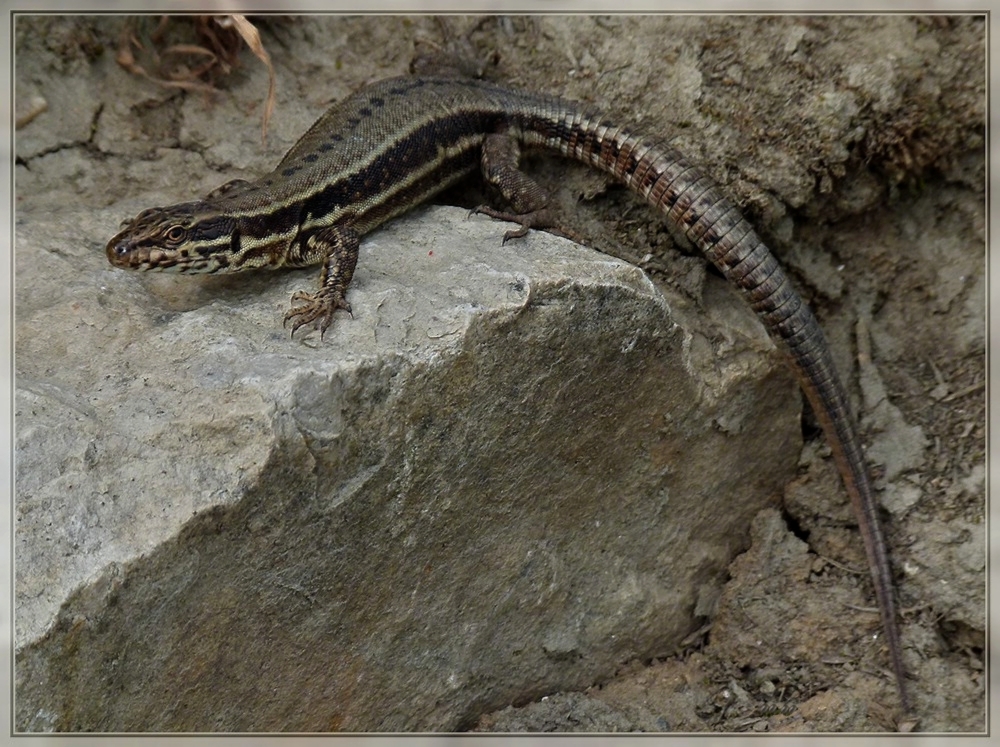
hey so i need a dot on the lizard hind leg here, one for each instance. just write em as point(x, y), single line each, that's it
point(528, 200)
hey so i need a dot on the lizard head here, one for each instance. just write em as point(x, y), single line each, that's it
point(189, 237)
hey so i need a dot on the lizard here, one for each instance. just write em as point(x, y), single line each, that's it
point(395, 143)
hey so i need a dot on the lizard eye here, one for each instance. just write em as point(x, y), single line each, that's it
point(175, 234)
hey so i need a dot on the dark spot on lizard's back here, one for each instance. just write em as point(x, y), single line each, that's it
point(376, 101)
point(311, 158)
point(336, 137)
point(353, 122)
point(405, 86)
point(325, 147)
point(290, 171)
point(365, 111)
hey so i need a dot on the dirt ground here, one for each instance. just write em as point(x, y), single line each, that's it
point(855, 145)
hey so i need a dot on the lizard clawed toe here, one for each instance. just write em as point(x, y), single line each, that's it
point(522, 220)
point(316, 307)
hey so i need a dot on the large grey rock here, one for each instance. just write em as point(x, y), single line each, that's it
point(512, 470)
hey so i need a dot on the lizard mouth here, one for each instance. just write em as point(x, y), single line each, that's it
point(123, 252)
point(126, 253)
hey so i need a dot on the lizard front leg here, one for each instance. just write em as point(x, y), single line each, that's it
point(337, 248)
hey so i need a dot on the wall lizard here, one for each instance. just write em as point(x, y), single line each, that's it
point(394, 144)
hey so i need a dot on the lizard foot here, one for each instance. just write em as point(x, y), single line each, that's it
point(526, 221)
point(315, 307)
point(542, 219)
